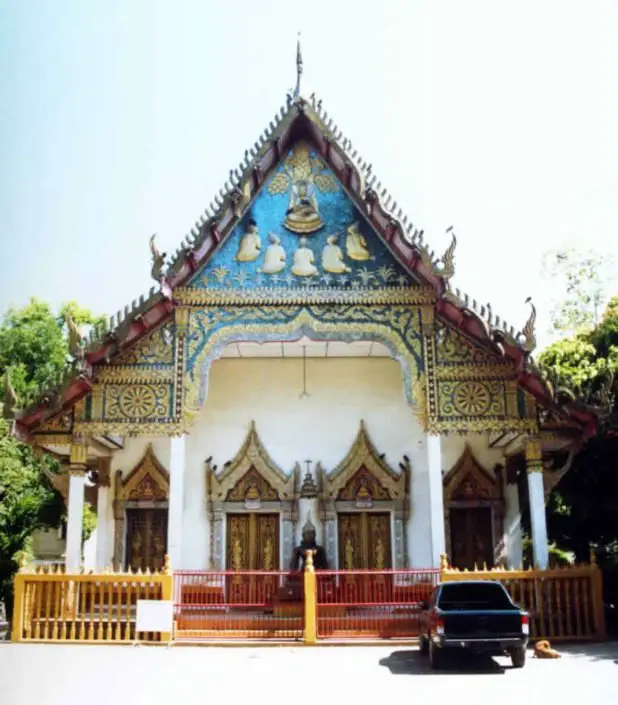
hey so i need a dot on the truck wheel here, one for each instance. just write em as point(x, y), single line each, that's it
point(423, 644)
point(435, 657)
point(518, 657)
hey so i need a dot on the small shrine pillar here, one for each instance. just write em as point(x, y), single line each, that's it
point(536, 495)
point(75, 513)
point(309, 507)
point(176, 501)
point(436, 499)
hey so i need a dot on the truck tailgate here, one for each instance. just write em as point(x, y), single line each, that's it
point(482, 624)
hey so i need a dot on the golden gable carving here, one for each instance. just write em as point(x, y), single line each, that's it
point(469, 480)
point(148, 480)
point(251, 470)
point(363, 470)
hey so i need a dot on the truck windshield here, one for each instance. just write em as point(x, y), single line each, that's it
point(474, 596)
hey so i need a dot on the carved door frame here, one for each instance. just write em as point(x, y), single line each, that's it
point(486, 491)
point(273, 492)
point(146, 486)
point(385, 491)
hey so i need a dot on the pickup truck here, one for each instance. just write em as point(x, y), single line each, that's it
point(475, 615)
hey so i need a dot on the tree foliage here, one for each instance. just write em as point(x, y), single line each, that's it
point(582, 509)
point(33, 345)
point(27, 502)
point(34, 351)
point(580, 278)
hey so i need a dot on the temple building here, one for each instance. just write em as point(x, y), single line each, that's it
point(305, 362)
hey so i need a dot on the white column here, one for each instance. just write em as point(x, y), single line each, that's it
point(536, 501)
point(103, 558)
point(436, 499)
point(512, 526)
point(77, 482)
point(176, 501)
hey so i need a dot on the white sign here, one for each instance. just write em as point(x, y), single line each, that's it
point(154, 616)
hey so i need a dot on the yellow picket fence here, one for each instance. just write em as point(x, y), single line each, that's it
point(565, 604)
point(54, 606)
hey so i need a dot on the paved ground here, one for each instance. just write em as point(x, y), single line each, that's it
point(71, 675)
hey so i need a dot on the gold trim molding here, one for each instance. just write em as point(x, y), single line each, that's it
point(128, 374)
point(413, 296)
point(466, 425)
point(460, 373)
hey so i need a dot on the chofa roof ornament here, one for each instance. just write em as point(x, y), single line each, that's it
point(299, 67)
point(528, 334)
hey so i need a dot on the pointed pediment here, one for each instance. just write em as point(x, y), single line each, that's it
point(147, 481)
point(251, 475)
point(363, 476)
point(302, 228)
point(469, 480)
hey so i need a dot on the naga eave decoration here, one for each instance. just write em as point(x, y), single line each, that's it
point(301, 120)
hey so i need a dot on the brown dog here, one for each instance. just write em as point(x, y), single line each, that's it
point(542, 649)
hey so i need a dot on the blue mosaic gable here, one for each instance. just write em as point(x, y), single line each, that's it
point(287, 236)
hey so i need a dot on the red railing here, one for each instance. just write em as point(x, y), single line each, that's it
point(238, 604)
point(371, 604)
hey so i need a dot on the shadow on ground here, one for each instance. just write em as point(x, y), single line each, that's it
point(413, 663)
point(605, 651)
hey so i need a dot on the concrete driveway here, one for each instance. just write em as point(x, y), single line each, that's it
point(73, 675)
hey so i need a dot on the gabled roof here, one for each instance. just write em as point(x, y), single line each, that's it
point(302, 119)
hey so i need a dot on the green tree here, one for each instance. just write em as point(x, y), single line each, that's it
point(27, 502)
point(34, 351)
point(580, 279)
point(33, 345)
point(582, 509)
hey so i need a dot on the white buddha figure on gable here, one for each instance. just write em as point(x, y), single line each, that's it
point(332, 257)
point(274, 257)
point(356, 245)
point(250, 245)
point(304, 261)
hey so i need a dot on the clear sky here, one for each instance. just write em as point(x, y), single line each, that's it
point(121, 118)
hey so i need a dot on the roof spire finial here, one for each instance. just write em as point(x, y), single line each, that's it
point(299, 67)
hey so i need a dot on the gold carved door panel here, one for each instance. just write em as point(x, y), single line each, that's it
point(252, 542)
point(471, 537)
point(146, 539)
point(364, 541)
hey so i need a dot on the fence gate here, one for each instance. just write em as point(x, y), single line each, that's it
point(371, 604)
point(239, 605)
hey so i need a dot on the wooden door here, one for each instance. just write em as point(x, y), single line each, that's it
point(252, 542)
point(364, 541)
point(146, 539)
point(471, 537)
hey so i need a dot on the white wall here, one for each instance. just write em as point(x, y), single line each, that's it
point(320, 427)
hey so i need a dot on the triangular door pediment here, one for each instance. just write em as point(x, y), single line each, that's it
point(148, 480)
point(363, 487)
point(468, 480)
point(251, 475)
point(363, 476)
point(302, 228)
point(252, 487)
